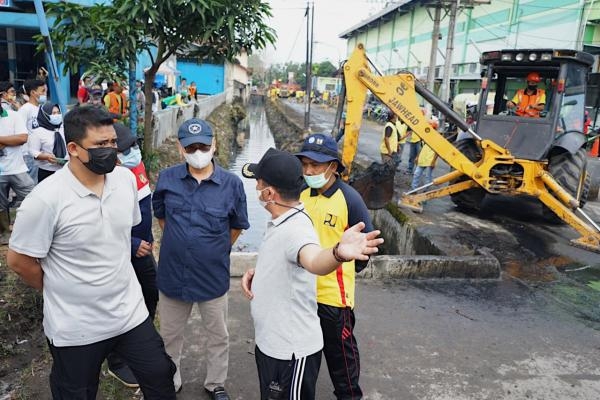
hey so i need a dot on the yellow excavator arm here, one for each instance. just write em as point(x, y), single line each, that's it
point(399, 93)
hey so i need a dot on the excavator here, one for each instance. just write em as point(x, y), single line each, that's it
point(500, 153)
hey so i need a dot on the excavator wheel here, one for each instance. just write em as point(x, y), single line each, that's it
point(570, 171)
point(468, 200)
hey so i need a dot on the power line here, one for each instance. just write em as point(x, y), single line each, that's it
point(296, 39)
point(574, 6)
point(505, 40)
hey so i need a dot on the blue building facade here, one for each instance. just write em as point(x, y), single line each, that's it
point(19, 60)
point(209, 78)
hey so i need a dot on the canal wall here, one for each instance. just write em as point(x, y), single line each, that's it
point(166, 122)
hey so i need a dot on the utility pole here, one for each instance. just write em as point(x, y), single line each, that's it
point(435, 37)
point(309, 44)
point(445, 89)
point(55, 76)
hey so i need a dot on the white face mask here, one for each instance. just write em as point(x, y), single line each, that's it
point(317, 181)
point(261, 202)
point(198, 159)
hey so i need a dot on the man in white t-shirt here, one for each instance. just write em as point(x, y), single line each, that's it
point(283, 286)
point(72, 239)
point(36, 91)
point(13, 171)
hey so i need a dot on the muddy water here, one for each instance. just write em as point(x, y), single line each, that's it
point(587, 274)
point(253, 145)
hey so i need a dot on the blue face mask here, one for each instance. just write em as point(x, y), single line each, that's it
point(132, 159)
point(317, 181)
point(42, 99)
point(55, 119)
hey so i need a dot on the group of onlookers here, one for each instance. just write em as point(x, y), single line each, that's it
point(32, 144)
point(84, 237)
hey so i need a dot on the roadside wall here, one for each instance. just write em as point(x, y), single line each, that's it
point(167, 121)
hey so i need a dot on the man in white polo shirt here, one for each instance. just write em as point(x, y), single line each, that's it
point(283, 286)
point(13, 171)
point(72, 239)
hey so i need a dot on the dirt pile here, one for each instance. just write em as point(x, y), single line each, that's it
point(286, 128)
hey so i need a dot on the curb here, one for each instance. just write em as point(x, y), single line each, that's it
point(404, 267)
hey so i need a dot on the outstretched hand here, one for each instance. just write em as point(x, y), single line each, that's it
point(356, 245)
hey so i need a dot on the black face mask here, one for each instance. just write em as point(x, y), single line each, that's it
point(102, 159)
point(531, 87)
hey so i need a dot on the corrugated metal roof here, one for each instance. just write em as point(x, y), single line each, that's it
point(398, 6)
point(393, 8)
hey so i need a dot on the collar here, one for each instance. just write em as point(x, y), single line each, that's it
point(216, 176)
point(279, 220)
point(110, 184)
point(329, 192)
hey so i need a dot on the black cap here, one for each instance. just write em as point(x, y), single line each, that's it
point(125, 138)
point(278, 168)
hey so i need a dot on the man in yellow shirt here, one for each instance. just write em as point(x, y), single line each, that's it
point(334, 206)
point(425, 163)
point(389, 139)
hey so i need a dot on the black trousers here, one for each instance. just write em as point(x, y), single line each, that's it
point(76, 369)
point(340, 350)
point(145, 271)
point(43, 174)
point(296, 379)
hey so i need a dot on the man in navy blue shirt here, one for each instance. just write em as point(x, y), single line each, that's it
point(202, 210)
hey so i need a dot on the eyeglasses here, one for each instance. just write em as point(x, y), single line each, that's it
point(192, 148)
point(134, 147)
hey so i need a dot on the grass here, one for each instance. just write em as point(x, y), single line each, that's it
point(396, 213)
point(111, 389)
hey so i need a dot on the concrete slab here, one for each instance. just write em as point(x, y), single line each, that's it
point(436, 340)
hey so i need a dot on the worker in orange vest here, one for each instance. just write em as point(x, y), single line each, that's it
point(530, 101)
point(116, 101)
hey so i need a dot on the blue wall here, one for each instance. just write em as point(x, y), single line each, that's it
point(209, 78)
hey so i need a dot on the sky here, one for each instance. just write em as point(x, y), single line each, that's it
point(332, 17)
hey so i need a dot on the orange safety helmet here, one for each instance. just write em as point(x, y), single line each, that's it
point(533, 77)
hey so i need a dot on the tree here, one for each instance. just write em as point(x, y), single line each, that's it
point(281, 72)
point(259, 72)
point(324, 68)
point(215, 30)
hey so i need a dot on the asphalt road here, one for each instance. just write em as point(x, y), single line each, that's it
point(446, 340)
point(321, 120)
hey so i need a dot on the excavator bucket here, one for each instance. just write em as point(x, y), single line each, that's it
point(375, 185)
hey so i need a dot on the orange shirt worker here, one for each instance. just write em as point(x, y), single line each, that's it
point(530, 101)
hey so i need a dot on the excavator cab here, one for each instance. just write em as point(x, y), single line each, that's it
point(553, 134)
point(561, 86)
